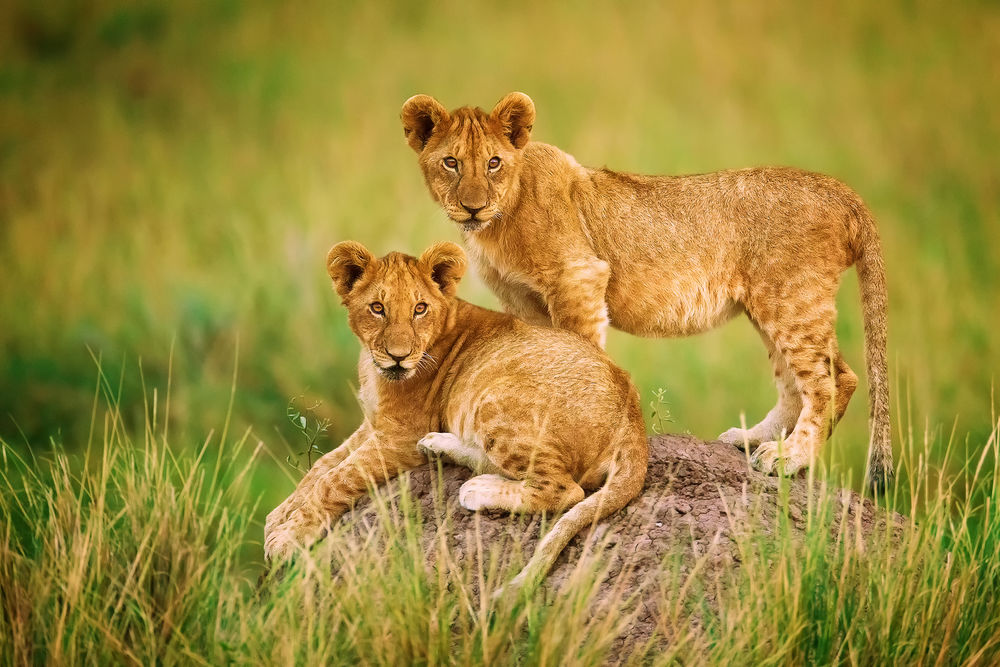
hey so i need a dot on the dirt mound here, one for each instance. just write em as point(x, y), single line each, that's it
point(698, 496)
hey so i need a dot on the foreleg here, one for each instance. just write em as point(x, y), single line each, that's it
point(332, 491)
point(576, 297)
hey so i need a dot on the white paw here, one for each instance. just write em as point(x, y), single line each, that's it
point(437, 444)
point(779, 458)
point(738, 437)
point(480, 492)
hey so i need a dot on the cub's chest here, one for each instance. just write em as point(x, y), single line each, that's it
point(497, 264)
point(367, 392)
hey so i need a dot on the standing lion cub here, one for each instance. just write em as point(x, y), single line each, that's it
point(582, 248)
point(539, 414)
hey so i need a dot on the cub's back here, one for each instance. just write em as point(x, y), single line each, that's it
point(528, 369)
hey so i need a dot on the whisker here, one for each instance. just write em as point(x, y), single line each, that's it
point(426, 362)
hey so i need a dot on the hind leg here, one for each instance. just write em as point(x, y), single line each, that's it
point(805, 339)
point(528, 479)
point(780, 421)
point(520, 496)
point(846, 383)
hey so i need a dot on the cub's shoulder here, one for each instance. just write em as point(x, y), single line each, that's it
point(506, 334)
point(552, 159)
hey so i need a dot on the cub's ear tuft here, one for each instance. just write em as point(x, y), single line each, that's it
point(445, 261)
point(516, 113)
point(346, 262)
point(421, 114)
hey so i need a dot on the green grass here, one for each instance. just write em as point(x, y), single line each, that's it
point(136, 552)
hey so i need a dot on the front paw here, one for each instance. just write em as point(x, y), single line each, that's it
point(278, 516)
point(293, 534)
point(279, 544)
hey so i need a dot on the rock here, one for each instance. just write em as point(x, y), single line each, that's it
point(697, 498)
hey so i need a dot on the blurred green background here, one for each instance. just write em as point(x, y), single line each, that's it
point(173, 173)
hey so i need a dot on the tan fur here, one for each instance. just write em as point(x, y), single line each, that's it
point(582, 248)
point(539, 414)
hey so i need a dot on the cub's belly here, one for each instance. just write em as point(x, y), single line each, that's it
point(659, 308)
point(653, 304)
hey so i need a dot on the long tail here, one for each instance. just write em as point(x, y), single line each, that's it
point(624, 482)
point(871, 280)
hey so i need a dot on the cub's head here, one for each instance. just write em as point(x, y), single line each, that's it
point(397, 305)
point(470, 158)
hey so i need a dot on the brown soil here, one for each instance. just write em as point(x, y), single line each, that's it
point(699, 496)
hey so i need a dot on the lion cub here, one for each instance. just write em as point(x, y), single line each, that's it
point(537, 413)
point(581, 248)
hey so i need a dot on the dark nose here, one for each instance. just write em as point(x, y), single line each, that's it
point(473, 211)
point(399, 358)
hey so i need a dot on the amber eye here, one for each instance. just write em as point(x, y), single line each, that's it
point(494, 163)
point(451, 163)
point(420, 308)
point(377, 308)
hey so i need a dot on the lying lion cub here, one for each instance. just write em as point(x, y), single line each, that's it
point(538, 414)
point(580, 248)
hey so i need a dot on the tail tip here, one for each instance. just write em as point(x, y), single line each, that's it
point(880, 476)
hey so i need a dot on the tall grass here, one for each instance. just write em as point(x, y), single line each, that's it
point(920, 589)
point(137, 553)
point(139, 557)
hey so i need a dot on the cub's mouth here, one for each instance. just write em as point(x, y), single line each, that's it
point(474, 223)
point(471, 224)
point(395, 372)
point(476, 219)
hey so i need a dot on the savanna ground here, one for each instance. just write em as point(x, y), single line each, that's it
point(172, 174)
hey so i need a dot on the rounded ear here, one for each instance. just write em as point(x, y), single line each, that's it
point(516, 113)
point(346, 262)
point(445, 262)
point(420, 115)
